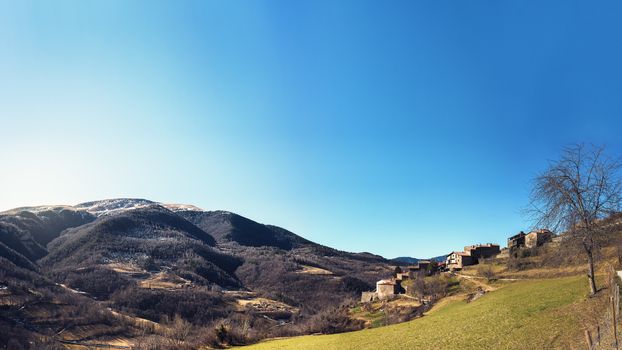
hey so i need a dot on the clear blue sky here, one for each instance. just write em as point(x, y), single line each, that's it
point(399, 128)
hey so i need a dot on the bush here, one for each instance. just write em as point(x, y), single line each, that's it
point(486, 271)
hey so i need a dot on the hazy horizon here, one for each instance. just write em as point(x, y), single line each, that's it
point(404, 130)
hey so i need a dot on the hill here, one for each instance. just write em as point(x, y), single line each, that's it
point(166, 265)
point(407, 260)
point(507, 318)
point(35, 227)
point(25, 232)
point(284, 266)
point(228, 227)
point(149, 237)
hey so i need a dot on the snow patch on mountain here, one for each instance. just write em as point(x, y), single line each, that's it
point(105, 207)
point(37, 209)
point(181, 207)
point(111, 206)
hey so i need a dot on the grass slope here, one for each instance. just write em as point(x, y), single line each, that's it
point(535, 314)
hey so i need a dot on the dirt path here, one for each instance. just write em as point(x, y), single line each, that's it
point(477, 281)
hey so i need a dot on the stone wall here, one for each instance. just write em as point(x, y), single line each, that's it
point(367, 297)
point(536, 239)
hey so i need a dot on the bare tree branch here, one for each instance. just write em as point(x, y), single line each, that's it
point(575, 193)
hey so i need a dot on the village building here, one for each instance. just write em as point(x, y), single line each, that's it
point(537, 238)
point(423, 264)
point(404, 276)
point(530, 240)
point(471, 255)
point(385, 289)
point(412, 271)
point(482, 251)
point(516, 241)
point(457, 260)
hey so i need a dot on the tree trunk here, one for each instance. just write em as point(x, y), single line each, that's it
point(590, 271)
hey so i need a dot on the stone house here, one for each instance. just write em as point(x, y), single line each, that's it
point(385, 289)
point(516, 241)
point(482, 251)
point(411, 271)
point(403, 276)
point(537, 238)
point(457, 260)
point(423, 264)
point(530, 240)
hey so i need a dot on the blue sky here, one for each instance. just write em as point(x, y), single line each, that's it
point(401, 128)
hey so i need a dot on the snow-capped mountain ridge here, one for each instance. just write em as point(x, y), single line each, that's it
point(107, 206)
point(181, 207)
point(110, 206)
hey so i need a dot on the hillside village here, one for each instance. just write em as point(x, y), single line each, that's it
point(455, 261)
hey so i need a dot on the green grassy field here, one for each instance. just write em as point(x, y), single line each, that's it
point(535, 314)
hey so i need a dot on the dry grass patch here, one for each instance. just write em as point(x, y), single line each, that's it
point(531, 314)
point(264, 304)
point(312, 270)
point(125, 268)
point(379, 313)
point(164, 280)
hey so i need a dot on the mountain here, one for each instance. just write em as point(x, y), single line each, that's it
point(228, 227)
point(43, 224)
point(284, 266)
point(440, 258)
point(25, 232)
point(111, 206)
point(151, 237)
point(406, 260)
point(133, 258)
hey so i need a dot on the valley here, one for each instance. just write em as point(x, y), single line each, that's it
point(128, 273)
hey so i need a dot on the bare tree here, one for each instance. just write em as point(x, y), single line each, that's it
point(575, 193)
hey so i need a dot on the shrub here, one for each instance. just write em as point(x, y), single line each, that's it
point(486, 271)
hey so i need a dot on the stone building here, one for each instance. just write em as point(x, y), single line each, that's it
point(367, 297)
point(385, 289)
point(516, 241)
point(537, 238)
point(530, 240)
point(404, 276)
point(471, 255)
point(457, 260)
point(482, 251)
point(422, 266)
